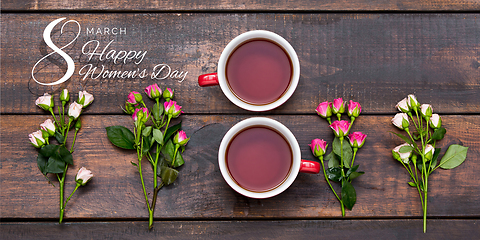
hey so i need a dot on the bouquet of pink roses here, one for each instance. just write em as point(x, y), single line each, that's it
point(162, 149)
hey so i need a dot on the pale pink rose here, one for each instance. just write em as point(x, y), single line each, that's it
point(426, 110)
point(435, 121)
point(74, 110)
point(48, 126)
point(45, 102)
point(36, 139)
point(429, 151)
point(401, 120)
point(83, 176)
point(402, 106)
point(85, 98)
point(405, 156)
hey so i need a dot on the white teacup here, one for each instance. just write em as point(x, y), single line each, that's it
point(283, 79)
point(261, 124)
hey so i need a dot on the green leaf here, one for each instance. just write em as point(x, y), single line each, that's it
point(349, 196)
point(354, 175)
point(168, 150)
point(121, 137)
point(146, 144)
point(49, 150)
point(439, 133)
point(406, 139)
point(455, 155)
point(55, 165)
point(351, 170)
point(134, 164)
point(65, 155)
point(405, 149)
point(171, 130)
point(412, 184)
point(332, 160)
point(59, 137)
point(347, 151)
point(158, 136)
point(334, 174)
point(168, 175)
point(42, 163)
point(147, 131)
point(178, 160)
point(157, 111)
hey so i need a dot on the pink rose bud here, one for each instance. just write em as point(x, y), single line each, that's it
point(172, 109)
point(153, 91)
point(429, 151)
point(36, 139)
point(324, 109)
point(180, 138)
point(402, 106)
point(64, 96)
point(402, 156)
point(319, 147)
point(141, 115)
point(412, 102)
point(168, 94)
point(426, 110)
point(74, 110)
point(340, 128)
point(354, 109)
point(435, 121)
point(48, 126)
point(357, 139)
point(134, 98)
point(338, 106)
point(85, 98)
point(83, 176)
point(129, 108)
point(401, 120)
point(45, 102)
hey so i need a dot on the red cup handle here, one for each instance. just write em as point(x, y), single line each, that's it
point(307, 166)
point(207, 80)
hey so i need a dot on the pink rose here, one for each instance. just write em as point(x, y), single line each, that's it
point(48, 126)
point(83, 176)
point(401, 120)
point(141, 114)
point(153, 91)
point(74, 110)
point(357, 139)
point(45, 102)
point(172, 109)
point(340, 128)
point(319, 147)
point(85, 98)
point(168, 94)
point(354, 109)
point(134, 98)
point(338, 106)
point(180, 138)
point(36, 139)
point(324, 109)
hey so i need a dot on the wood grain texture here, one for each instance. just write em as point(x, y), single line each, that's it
point(375, 59)
point(200, 191)
point(250, 5)
point(307, 229)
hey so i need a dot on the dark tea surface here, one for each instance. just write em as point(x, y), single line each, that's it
point(259, 72)
point(259, 159)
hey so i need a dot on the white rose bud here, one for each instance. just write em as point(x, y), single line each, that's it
point(36, 139)
point(402, 106)
point(83, 176)
point(74, 110)
point(412, 102)
point(426, 110)
point(45, 102)
point(435, 121)
point(401, 120)
point(404, 157)
point(85, 98)
point(48, 126)
point(429, 151)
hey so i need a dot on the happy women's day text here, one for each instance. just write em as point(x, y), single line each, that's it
point(159, 71)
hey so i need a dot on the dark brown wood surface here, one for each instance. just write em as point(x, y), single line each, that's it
point(375, 59)
point(373, 52)
point(251, 5)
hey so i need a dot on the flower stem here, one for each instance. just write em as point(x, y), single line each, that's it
point(74, 138)
point(62, 185)
point(329, 184)
point(68, 199)
point(68, 127)
point(54, 118)
point(354, 154)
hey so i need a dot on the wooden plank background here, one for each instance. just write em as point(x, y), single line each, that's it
point(375, 59)
point(249, 5)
